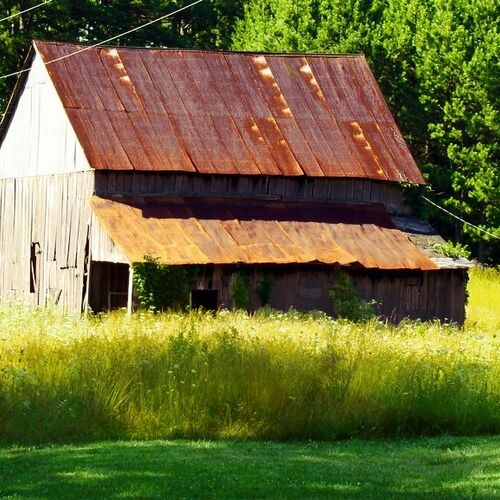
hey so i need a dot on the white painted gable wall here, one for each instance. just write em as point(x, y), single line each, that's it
point(40, 139)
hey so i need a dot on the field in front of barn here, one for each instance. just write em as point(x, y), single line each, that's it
point(230, 375)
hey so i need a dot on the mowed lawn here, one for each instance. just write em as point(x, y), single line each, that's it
point(442, 467)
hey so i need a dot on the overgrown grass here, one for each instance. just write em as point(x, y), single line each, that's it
point(483, 308)
point(273, 375)
point(423, 468)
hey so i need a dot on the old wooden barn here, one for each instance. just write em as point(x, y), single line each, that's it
point(288, 165)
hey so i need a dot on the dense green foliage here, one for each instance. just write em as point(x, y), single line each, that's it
point(446, 467)
point(437, 63)
point(346, 302)
point(265, 289)
point(240, 291)
point(160, 287)
point(271, 375)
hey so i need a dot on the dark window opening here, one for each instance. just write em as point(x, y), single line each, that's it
point(34, 251)
point(205, 299)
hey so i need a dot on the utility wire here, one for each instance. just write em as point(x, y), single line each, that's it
point(460, 219)
point(98, 44)
point(24, 11)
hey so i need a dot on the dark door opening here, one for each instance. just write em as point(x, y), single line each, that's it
point(108, 287)
point(34, 266)
point(205, 299)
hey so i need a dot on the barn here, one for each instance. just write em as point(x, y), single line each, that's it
point(289, 166)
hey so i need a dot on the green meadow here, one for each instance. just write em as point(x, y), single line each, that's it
point(272, 375)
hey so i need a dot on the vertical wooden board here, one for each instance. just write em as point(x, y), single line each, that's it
point(292, 187)
point(358, 190)
point(367, 191)
point(349, 191)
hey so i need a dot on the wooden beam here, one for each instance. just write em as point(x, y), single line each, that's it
point(130, 289)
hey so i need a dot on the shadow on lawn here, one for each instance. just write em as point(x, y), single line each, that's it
point(184, 469)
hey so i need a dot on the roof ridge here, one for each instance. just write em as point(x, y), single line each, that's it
point(204, 50)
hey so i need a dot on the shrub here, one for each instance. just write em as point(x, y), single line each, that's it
point(239, 291)
point(453, 250)
point(159, 286)
point(346, 302)
point(265, 289)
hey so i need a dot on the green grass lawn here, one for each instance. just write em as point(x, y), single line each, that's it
point(428, 467)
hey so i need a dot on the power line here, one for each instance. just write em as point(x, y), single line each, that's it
point(460, 219)
point(98, 44)
point(24, 11)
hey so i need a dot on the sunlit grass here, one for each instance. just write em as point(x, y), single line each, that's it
point(483, 308)
point(271, 375)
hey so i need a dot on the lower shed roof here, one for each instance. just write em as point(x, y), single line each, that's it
point(181, 231)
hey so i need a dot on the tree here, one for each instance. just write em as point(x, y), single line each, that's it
point(208, 24)
point(437, 64)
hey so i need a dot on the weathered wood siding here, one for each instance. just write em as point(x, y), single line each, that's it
point(44, 227)
point(103, 247)
point(416, 294)
point(40, 139)
point(287, 188)
point(423, 295)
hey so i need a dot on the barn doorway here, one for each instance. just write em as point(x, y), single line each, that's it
point(204, 299)
point(108, 286)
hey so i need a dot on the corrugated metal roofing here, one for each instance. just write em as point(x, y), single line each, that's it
point(229, 113)
point(225, 231)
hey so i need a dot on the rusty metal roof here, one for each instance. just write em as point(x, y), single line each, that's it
point(229, 113)
point(227, 231)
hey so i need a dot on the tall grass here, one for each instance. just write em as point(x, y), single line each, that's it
point(483, 307)
point(271, 375)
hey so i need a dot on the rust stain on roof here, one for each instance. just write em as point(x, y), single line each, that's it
point(223, 231)
point(229, 113)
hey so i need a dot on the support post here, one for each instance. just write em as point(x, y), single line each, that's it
point(130, 288)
